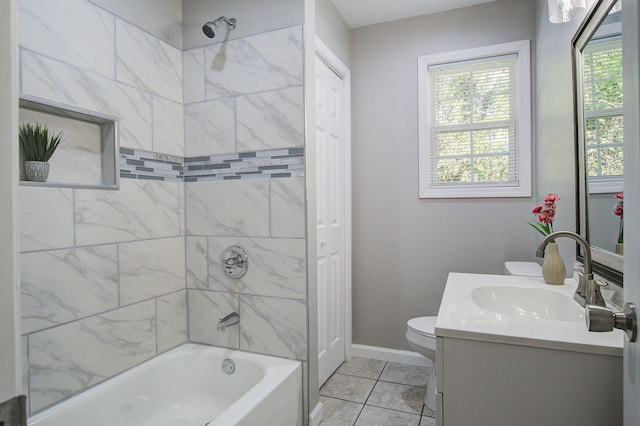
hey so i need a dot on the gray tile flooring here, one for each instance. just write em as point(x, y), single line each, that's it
point(369, 392)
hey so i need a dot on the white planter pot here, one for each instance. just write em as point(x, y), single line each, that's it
point(36, 171)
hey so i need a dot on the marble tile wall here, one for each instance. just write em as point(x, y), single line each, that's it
point(102, 271)
point(108, 273)
point(255, 84)
point(245, 94)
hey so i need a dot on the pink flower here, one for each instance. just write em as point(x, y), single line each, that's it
point(546, 214)
point(551, 198)
point(619, 209)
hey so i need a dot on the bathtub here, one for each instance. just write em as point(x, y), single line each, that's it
point(186, 386)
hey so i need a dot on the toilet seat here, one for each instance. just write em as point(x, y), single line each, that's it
point(425, 326)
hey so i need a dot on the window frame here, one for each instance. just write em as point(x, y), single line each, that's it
point(427, 189)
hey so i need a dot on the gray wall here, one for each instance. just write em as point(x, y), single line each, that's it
point(555, 147)
point(404, 247)
point(333, 31)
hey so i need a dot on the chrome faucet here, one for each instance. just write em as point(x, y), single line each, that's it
point(588, 291)
point(229, 320)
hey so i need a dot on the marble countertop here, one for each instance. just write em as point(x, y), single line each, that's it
point(460, 317)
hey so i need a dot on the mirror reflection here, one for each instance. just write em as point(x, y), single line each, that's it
point(603, 129)
point(598, 64)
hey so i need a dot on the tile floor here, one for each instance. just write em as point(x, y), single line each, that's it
point(369, 392)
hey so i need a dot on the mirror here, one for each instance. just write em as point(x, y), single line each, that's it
point(597, 63)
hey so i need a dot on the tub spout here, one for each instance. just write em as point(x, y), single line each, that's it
point(231, 319)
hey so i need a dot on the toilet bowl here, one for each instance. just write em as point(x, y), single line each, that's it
point(422, 339)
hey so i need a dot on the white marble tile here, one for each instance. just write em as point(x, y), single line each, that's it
point(273, 326)
point(210, 128)
point(25, 366)
point(172, 320)
point(139, 210)
point(49, 79)
point(66, 359)
point(168, 127)
point(277, 267)
point(62, 285)
point(151, 268)
point(270, 120)
point(288, 208)
point(254, 64)
point(46, 218)
point(221, 208)
point(73, 31)
point(196, 262)
point(162, 18)
point(205, 309)
point(146, 62)
point(193, 75)
point(182, 189)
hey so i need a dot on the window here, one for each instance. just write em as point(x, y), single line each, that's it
point(475, 122)
point(602, 68)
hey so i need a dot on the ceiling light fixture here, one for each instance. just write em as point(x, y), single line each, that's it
point(561, 11)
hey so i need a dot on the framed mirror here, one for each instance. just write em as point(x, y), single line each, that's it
point(599, 111)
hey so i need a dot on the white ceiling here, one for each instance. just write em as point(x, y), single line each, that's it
point(359, 13)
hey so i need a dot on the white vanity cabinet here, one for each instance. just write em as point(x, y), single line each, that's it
point(487, 383)
point(517, 365)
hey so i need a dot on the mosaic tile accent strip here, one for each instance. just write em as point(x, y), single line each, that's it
point(271, 163)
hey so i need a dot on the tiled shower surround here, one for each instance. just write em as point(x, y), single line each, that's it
point(212, 154)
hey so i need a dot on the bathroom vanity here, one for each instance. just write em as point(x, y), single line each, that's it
point(515, 351)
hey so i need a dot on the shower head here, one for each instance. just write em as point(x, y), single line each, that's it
point(209, 29)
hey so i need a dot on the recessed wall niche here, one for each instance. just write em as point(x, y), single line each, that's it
point(87, 156)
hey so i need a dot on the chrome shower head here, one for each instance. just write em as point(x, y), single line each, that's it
point(209, 29)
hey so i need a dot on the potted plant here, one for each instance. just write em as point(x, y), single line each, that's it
point(38, 145)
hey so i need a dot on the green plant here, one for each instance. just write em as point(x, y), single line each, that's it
point(37, 142)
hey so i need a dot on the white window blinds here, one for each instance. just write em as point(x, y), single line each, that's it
point(473, 121)
point(603, 104)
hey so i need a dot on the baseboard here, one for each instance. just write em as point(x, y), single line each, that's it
point(393, 355)
point(316, 416)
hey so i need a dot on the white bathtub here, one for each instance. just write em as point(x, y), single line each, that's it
point(186, 386)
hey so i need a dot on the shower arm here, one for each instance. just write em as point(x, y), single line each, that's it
point(231, 22)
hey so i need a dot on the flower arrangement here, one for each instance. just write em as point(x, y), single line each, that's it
point(546, 214)
point(619, 211)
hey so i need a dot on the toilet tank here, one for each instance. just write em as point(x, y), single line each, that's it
point(526, 269)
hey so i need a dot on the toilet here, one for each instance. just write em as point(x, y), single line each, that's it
point(421, 336)
point(421, 333)
point(523, 269)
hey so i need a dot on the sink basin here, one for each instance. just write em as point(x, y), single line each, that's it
point(530, 302)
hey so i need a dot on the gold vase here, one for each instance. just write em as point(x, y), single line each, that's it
point(553, 269)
